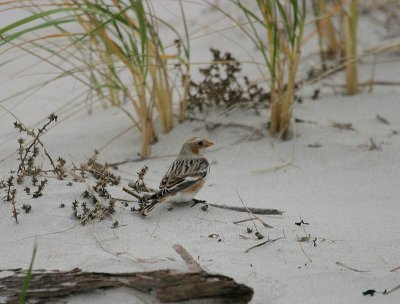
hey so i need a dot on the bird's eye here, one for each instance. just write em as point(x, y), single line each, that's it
point(200, 143)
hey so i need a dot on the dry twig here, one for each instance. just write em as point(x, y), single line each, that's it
point(252, 215)
point(395, 269)
point(350, 268)
point(234, 208)
point(190, 262)
point(343, 126)
point(251, 209)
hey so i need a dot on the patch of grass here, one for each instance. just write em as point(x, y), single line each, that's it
point(111, 47)
point(276, 29)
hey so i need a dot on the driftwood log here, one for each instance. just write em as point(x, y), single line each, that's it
point(165, 285)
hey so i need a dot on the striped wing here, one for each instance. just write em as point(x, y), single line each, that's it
point(182, 174)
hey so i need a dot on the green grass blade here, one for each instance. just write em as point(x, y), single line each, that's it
point(186, 46)
point(27, 281)
point(33, 18)
point(258, 42)
point(50, 23)
point(137, 6)
point(289, 30)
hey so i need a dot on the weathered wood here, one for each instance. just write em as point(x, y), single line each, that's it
point(186, 256)
point(166, 285)
point(252, 209)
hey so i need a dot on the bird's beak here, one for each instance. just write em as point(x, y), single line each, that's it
point(208, 143)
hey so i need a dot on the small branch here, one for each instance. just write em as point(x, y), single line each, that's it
point(391, 290)
point(263, 243)
point(133, 193)
point(98, 209)
point(94, 194)
point(252, 219)
point(343, 126)
point(395, 269)
point(233, 208)
point(56, 171)
point(137, 160)
point(382, 120)
point(35, 139)
point(74, 175)
point(365, 84)
point(123, 200)
point(243, 221)
point(190, 262)
point(251, 209)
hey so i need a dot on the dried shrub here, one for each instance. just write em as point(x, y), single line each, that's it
point(100, 200)
point(223, 85)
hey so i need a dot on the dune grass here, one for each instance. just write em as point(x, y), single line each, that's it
point(112, 47)
point(349, 14)
point(276, 29)
point(339, 44)
point(328, 40)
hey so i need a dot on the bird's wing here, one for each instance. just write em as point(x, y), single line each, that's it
point(182, 174)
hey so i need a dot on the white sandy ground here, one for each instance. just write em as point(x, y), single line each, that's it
point(349, 194)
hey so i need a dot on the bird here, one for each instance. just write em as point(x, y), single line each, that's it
point(185, 177)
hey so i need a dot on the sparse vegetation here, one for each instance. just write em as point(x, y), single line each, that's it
point(120, 55)
point(29, 165)
point(151, 60)
point(223, 85)
point(283, 26)
point(102, 203)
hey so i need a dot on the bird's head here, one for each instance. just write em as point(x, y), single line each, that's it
point(195, 146)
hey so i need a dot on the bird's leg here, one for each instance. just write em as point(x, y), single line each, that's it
point(196, 201)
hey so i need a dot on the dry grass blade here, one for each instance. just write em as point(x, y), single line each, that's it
point(263, 243)
point(350, 268)
point(343, 126)
point(252, 215)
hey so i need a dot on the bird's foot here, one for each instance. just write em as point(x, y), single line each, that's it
point(196, 201)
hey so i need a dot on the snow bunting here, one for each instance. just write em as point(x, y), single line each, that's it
point(185, 177)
